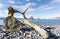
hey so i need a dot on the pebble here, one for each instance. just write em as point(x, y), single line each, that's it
point(32, 34)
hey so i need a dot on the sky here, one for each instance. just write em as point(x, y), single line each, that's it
point(43, 9)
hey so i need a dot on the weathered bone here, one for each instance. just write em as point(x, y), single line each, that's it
point(11, 23)
point(41, 31)
point(12, 11)
point(23, 13)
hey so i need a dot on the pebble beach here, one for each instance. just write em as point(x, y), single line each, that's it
point(27, 32)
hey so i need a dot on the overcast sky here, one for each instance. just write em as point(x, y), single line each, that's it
point(43, 9)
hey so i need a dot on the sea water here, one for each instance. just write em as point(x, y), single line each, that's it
point(1, 22)
point(39, 21)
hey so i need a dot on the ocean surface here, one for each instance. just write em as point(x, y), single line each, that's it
point(39, 21)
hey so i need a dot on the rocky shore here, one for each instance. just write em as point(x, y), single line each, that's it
point(30, 33)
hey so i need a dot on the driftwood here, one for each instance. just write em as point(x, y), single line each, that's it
point(41, 31)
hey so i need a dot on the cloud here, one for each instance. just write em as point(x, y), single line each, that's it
point(56, 15)
point(3, 13)
point(11, 1)
point(27, 0)
point(46, 7)
point(1, 5)
point(18, 16)
point(53, 4)
point(33, 4)
point(28, 5)
point(19, 2)
point(23, 7)
point(42, 8)
point(57, 0)
point(52, 16)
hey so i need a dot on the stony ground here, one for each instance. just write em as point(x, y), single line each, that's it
point(29, 33)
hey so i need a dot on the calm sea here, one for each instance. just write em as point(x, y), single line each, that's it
point(39, 21)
